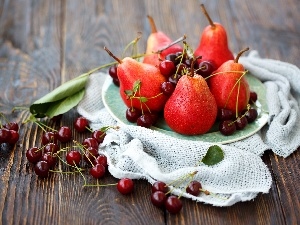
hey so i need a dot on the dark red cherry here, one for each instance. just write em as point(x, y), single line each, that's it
point(174, 78)
point(51, 147)
point(5, 135)
point(145, 120)
point(159, 186)
point(98, 135)
point(101, 159)
point(132, 114)
point(90, 155)
point(12, 126)
point(241, 123)
point(167, 88)
point(90, 142)
point(173, 204)
point(50, 158)
point(64, 134)
point(225, 114)
point(14, 137)
point(194, 188)
point(206, 68)
point(116, 82)
point(97, 171)
point(251, 115)
point(227, 127)
point(41, 169)
point(253, 97)
point(167, 68)
point(80, 124)
point(171, 57)
point(158, 198)
point(33, 154)
point(125, 186)
point(49, 137)
point(73, 158)
point(113, 71)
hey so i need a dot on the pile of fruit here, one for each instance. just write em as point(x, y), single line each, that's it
point(9, 131)
point(192, 89)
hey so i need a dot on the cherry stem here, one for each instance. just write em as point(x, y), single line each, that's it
point(67, 172)
point(132, 43)
point(152, 24)
point(180, 180)
point(236, 83)
point(222, 72)
point(239, 54)
point(19, 108)
point(171, 44)
point(207, 16)
point(193, 63)
point(3, 116)
point(42, 125)
point(99, 185)
point(79, 170)
point(112, 55)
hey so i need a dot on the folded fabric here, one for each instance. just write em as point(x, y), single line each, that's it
point(141, 153)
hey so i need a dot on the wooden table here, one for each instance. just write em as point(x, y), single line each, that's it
point(45, 43)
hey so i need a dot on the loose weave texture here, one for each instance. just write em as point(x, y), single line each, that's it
point(141, 153)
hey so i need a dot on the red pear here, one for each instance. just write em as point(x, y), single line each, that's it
point(140, 84)
point(191, 109)
point(229, 85)
point(158, 40)
point(213, 45)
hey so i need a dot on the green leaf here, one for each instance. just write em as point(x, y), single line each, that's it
point(213, 155)
point(128, 93)
point(45, 106)
point(143, 99)
point(136, 86)
point(104, 129)
point(64, 105)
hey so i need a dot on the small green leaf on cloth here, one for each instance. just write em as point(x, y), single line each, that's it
point(213, 155)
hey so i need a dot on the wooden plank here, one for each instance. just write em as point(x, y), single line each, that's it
point(30, 68)
point(286, 176)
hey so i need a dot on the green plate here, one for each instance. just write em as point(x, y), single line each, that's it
point(114, 104)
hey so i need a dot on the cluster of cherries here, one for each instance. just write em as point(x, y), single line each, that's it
point(46, 157)
point(229, 123)
point(9, 132)
point(160, 195)
point(173, 67)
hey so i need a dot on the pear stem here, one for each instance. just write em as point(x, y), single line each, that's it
point(152, 24)
point(239, 54)
point(171, 44)
point(193, 63)
point(112, 55)
point(207, 16)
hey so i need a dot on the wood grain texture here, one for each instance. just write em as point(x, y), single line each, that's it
point(45, 43)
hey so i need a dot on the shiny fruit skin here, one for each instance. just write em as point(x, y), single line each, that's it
point(229, 84)
point(129, 72)
point(213, 45)
point(125, 186)
point(191, 109)
point(173, 204)
point(158, 198)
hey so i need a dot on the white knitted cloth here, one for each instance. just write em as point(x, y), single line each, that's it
point(141, 153)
